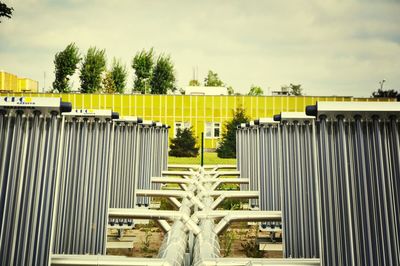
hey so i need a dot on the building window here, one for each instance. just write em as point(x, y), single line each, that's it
point(213, 130)
point(181, 125)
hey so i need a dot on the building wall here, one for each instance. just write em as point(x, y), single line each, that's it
point(197, 110)
point(27, 85)
point(12, 83)
point(8, 82)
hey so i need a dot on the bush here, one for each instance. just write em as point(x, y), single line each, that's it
point(227, 147)
point(184, 144)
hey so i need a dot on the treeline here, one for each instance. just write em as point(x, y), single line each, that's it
point(153, 74)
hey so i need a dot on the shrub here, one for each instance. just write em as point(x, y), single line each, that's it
point(184, 144)
point(227, 147)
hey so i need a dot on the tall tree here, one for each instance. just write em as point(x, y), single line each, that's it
point(255, 91)
point(296, 90)
point(118, 75)
point(65, 64)
point(163, 77)
point(194, 82)
point(142, 64)
point(212, 80)
point(5, 11)
point(108, 83)
point(93, 66)
point(227, 147)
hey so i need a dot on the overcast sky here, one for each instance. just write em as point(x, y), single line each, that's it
point(330, 47)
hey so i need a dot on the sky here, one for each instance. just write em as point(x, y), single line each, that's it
point(330, 47)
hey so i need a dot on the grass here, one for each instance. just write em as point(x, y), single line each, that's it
point(209, 158)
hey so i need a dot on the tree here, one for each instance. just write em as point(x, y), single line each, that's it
point(118, 75)
point(65, 64)
point(227, 147)
point(184, 144)
point(296, 90)
point(194, 82)
point(93, 66)
point(163, 78)
point(212, 80)
point(5, 11)
point(108, 83)
point(142, 64)
point(230, 90)
point(380, 93)
point(255, 91)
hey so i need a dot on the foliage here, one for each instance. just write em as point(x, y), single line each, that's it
point(5, 11)
point(296, 90)
point(146, 242)
point(163, 78)
point(209, 158)
point(65, 64)
point(380, 93)
point(93, 66)
point(255, 91)
point(227, 147)
point(118, 76)
point(227, 241)
point(182, 91)
point(108, 83)
point(194, 82)
point(184, 144)
point(143, 63)
point(212, 80)
point(251, 247)
point(230, 90)
point(231, 204)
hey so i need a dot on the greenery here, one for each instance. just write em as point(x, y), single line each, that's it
point(380, 93)
point(251, 247)
point(296, 90)
point(209, 158)
point(194, 82)
point(146, 242)
point(227, 241)
point(163, 77)
point(142, 64)
point(255, 91)
point(115, 79)
point(184, 144)
point(65, 63)
point(230, 90)
point(93, 66)
point(212, 80)
point(227, 147)
point(5, 11)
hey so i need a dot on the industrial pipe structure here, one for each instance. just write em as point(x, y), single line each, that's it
point(358, 147)
point(338, 173)
point(30, 136)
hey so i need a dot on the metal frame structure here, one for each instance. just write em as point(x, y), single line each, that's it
point(358, 150)
point(29, 148)
point(80, 222)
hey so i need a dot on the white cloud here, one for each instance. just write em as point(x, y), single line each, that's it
point(331, 47)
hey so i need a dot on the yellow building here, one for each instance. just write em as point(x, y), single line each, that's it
point(12, 83)
point(8, 82)
point(204, 113)
point(27, 85)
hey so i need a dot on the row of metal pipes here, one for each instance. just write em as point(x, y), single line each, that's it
point(60, 171)
point(334, 172)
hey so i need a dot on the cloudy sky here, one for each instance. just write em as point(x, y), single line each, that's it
point(331, 47)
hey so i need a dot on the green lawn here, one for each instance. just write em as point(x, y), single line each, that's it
point(209, 158)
